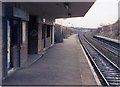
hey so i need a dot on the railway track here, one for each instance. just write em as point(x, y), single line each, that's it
point(115, 48)
point(111, 52)
point(108, 71)
point(110, 48)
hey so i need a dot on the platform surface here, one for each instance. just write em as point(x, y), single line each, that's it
point(63, 64)
point(109, 39)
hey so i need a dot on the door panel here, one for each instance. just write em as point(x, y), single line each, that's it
point(44, 35)
point(33, 35)
point(13, 43)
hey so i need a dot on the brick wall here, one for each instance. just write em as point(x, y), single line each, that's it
point(24, 54)
point(0, 51)
point(0, 42)
point(48, 42)
point(40, 46)
point(24, 50)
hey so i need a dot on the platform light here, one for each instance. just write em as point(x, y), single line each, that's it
point(44, 20)
point(67, 5)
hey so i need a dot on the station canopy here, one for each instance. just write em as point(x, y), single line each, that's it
point(63, 9)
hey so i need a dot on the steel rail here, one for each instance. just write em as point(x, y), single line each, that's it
point(108, 82)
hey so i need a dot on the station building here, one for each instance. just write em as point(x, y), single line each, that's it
point(28, 28)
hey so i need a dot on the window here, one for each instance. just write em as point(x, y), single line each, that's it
point(23, 32)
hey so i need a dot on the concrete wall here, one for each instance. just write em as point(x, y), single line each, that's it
point(1, 42)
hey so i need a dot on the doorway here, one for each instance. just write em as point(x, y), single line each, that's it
point(44, 35)
point(33, 35)
point(13, 43)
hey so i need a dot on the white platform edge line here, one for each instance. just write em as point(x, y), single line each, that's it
point(91, 67)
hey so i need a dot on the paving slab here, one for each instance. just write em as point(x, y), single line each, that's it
point(63, 64)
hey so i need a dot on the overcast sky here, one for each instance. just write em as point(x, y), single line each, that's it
point(101, 13)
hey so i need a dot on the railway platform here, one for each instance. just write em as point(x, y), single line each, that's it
point(108, 39)
point(63, 64)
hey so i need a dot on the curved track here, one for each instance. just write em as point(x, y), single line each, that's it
point(109, 51)
point(108, 71)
